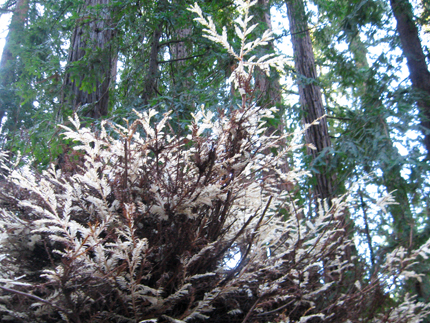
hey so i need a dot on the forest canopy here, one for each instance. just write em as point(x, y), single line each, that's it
point(169, 161)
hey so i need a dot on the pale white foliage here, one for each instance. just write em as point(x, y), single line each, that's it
point(251, 215)
point(141, 192)
point(245, 65)
point(386, 201)
point(409, 311)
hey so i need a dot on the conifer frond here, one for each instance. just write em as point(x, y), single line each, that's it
point(141, 231)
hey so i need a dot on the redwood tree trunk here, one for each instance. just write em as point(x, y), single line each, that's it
point(416, 60)
point(7, 72)
point(151, 78)
point(149, 87)
point(268, 89)
point(87, 86)
point(181, 52)
point(310, 93)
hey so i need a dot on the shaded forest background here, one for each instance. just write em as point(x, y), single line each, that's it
point(102, 59)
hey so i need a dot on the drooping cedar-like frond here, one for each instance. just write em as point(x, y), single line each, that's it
point(145, 227)
point(142, 231)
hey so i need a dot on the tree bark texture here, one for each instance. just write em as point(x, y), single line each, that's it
point(89, 84)
point(150, 84)
point(183, 78)
point(7, 72)
point(268, 89)
point(310, 93)
point(180, 51)
point(416, 61)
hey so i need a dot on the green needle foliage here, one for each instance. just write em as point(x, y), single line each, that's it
point(181, 202)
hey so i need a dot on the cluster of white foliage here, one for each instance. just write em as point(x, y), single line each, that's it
point(87, 252)
point(406, 312)
point(107, 231)
point(243, 71)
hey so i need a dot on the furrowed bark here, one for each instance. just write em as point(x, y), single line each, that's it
point(268, 88)
point(7, 72)
point(151, 76)
point(310, 94)
point(93, 32)
point(181, 51)
point(416, 61)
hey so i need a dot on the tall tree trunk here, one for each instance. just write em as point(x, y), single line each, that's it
point(416, 61)
point(312, 109)
point(181, 50)
point(13, 40)
point(183, 74)
point(268, 88)
point(87, 83)
point(310, 94)
point(149, 87)
point(150, 82)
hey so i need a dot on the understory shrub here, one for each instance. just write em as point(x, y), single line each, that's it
point(141, 225)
